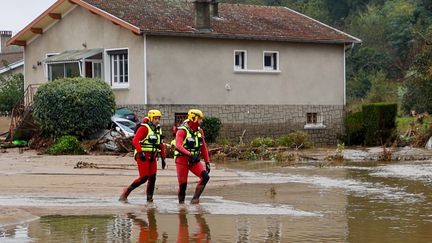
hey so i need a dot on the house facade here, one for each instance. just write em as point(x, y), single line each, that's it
point(11, 57)
point(264, 71)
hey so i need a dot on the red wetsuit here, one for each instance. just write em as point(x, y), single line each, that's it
point(183, 166)
point(147, 169)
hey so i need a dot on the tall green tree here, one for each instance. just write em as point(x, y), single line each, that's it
point(11, 91)
point(418, 95)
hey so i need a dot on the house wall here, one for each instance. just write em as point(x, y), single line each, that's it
point(251, 121)
point(196, 71)
point(78, 27)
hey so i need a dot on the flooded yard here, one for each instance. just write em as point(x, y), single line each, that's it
point(377, 203)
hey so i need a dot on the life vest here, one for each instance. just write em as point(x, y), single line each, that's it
point(153, 140)
point(192, 142)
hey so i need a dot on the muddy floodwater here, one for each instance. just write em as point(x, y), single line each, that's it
point(389, 202)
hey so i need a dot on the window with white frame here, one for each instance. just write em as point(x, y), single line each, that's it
point(271, 60)
point(119, 67)
point(240, 60)
point(314, 120)
point(63, 70)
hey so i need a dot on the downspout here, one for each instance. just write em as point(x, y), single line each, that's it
point(344, 71)
point(346, 49)
point(145, 69)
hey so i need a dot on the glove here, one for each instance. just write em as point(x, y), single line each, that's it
point(163, 163)
point(207, 168)
point(142, 156)
point(194, 159)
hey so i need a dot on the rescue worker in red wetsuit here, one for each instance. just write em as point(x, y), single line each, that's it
point(190, 144)
point(148, 143)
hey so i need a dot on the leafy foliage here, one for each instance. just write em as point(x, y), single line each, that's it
point(379, 120)
point(211, 126)
point(259, 142)
point(418, 95)
point(75, 106)
point(354, 129)
point(11, 91)
point(66, 145)
point(297, 139)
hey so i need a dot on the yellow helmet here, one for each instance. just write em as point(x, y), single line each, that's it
point(153, 113)
point(194, 115)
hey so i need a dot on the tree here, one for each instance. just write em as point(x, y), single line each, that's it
point(11, 91)
point(418, 95)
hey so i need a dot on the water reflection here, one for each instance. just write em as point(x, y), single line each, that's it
point(20, 233)
point(243, 230)
point(201, 235)
point(148, 226)
point(148, 231)
point(274, 230)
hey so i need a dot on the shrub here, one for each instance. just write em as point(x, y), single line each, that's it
point(379, 120)
point(284, 141)
point(297, 139)
point(66, 145)
point(354, 129)
point(76, 106)
point(258, 142)
point(211, 126)
point(11, 91)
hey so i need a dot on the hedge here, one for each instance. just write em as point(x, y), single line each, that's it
point(74, 106)
point(379, 120)
point(354, 129)
point(211, 126)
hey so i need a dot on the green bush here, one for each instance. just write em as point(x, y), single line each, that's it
point(258, 142)
point(354, 129)
point(211, 126)
point(379, 120)
point(297, 139)
point(284, 141)
point(76, 106)
point(66, 145)
point(11, 91)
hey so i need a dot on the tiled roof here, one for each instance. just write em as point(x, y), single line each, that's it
point(176, 17)
point(10, 58)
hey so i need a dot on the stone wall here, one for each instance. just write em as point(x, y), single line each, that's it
point(258, 120)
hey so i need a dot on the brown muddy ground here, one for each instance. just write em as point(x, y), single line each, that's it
point(4, 124)
point(28, 174)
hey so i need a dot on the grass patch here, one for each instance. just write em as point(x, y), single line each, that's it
point(403, 123)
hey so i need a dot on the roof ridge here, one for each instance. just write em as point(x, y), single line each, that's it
point(326, 25)
point(254, 5)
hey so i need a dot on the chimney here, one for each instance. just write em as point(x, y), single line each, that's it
point(4, 37)
point(215, 6)
point(202, 15)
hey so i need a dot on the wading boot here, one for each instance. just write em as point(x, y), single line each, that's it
point(150, 187)
point(199, 189)
point(181, 199)
point(182, 193)
point(124, 195)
